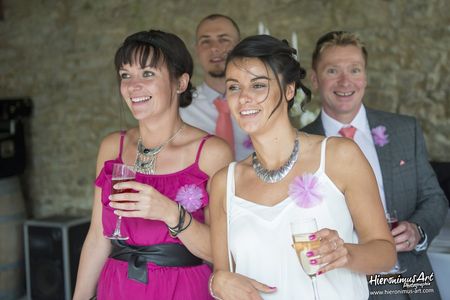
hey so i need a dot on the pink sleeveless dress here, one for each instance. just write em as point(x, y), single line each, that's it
point(187, 283)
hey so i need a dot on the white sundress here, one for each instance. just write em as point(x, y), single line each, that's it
point(260, 242)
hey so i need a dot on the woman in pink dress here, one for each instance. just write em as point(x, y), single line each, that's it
point(166, 216)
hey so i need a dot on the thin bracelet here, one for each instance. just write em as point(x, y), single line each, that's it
point(188, 224)
point(211, 292)
point(174, 231)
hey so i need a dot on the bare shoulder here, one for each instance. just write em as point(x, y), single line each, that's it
point(110, 145)
point(215, 155)
point(110, 139)
point(343, 155)
point(342, 148)
point(217, 145)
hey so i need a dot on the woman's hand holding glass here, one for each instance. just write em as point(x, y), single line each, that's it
point(120, 173)
point(329, 253)
point(332, 253)
point(146, 202)
point(318, 251)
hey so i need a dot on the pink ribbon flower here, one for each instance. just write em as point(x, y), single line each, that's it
point(380, 138)
point(190, 197)
point(304, 190)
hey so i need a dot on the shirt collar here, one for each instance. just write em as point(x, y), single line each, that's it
point(208, 93)
point(332, 126)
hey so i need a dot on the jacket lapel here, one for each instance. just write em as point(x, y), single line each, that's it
point(384, 157)
point(315, 127)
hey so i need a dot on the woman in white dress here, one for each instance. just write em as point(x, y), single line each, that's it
point(291, 176)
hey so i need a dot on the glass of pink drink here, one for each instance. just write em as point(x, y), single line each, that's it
point(392, 220)
point(120, 173)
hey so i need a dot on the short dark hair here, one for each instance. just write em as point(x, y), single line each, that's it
point(217, 16)
point(337, 38)
point(160, 47)
point(279, 56)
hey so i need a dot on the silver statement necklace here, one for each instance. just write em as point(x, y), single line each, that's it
point(146, 157)
point(272, 176)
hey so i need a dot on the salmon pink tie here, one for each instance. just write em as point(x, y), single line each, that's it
point(348, 132)
point(224, 127)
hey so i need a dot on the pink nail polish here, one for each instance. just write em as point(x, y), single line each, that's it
point(319, 273)
point(313, 261)
point(312, 237)
point(309, 254)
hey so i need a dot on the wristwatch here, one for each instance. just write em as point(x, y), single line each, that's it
point(421, 232)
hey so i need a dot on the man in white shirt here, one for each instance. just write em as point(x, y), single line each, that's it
point(216, 36)
point(395, 148)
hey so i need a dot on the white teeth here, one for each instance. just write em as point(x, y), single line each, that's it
point(140, 99)
point(344, 94)
point(249, 112)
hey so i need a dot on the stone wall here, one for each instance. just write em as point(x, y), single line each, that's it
point(59, 53)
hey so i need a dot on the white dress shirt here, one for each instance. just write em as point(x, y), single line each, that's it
point(202, 113)
point(363, 137)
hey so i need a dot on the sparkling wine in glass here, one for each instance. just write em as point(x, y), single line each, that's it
point(392, 220)
point(120, 173)
point(301, 230)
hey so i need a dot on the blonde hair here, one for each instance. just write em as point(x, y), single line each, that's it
point(337, 38)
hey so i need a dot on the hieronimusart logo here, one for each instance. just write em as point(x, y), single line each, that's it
point(393, 285)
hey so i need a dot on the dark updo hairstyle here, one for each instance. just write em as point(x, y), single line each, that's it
point(160, 47)
point(279, 56)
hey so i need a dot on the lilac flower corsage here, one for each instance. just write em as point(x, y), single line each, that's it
point(248, 143)
point(304, 190)
point(190, 197)
point(380, 138)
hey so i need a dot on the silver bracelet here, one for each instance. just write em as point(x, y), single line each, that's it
point(211, 292)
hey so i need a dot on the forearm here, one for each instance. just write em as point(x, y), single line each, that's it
point(371, 257)
point(94, 253)
point(197, 239)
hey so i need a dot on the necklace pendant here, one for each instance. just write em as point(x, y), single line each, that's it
point(272, 176)
point(146, 157)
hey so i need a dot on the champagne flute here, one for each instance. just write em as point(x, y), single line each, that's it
point(120, 173)
point(301, 230)
point(392, 220)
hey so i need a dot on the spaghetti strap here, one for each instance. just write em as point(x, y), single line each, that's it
point(122, 137)
point(200, 147)
point(322, 155)
point(229, 199)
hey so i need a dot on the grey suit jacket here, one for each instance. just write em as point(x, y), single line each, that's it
point(410, 187)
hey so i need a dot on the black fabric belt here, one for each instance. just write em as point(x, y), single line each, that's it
point(170, 255)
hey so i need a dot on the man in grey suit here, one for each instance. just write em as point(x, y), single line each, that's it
point(395, 148)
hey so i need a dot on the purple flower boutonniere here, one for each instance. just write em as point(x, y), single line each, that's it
point(380, 138)
point(304, 190)
point(190, 197)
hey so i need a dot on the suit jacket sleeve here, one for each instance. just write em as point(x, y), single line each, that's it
point(431, 206)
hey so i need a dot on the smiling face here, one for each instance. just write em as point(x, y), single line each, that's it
point(215, 39)
point(253, 94)
point(340, 78)
point(148, 91)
